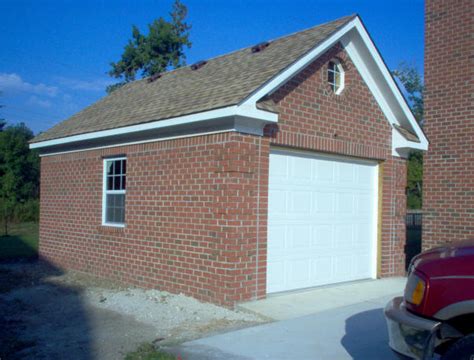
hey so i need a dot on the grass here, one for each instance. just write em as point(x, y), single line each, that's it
point(22, 241)
point(149, 352)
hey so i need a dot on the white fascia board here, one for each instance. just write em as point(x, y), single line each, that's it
point(231, 111)
point(299, 65)
point(346, 35)
point(250, 111)
point(398, 141)
point(402, 146)
point(365, 73)
point(391, 83)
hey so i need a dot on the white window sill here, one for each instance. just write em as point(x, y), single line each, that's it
point(113, 225)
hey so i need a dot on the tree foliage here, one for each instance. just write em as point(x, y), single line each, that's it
point(415, 180)
point(2, 121)
point(162, 48)
point(19, 170)
point(414, 86)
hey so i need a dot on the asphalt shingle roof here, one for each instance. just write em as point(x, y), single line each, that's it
point(223, 81)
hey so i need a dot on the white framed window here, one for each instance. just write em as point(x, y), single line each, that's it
point(114, 191)
point(336, 76)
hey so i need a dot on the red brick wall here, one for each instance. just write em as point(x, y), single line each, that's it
point(196, 208)
point(191, 215)
point(448, 187)
point(352, 124)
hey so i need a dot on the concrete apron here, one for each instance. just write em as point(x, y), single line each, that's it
point(291, 305)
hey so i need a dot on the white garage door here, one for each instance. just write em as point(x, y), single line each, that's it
point(322, 217)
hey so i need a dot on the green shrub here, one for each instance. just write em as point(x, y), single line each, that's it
point(27, 211)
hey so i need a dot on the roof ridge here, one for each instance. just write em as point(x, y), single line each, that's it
point(284, 36)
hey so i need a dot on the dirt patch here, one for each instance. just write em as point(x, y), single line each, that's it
point(47, 313)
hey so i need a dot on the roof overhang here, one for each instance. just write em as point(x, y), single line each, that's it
point(247, 118)
point(243, 118)
point(368, 61)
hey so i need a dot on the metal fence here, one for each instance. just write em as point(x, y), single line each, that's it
point(414, 219)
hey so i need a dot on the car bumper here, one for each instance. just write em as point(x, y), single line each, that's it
point(409, 335)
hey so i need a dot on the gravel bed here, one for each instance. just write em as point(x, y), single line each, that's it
point(49, 313)
point(162, 308)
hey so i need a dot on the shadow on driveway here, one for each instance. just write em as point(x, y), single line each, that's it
point(39, 318)
point(366, 336)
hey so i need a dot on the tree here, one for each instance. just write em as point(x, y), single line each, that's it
point(2, 121)
point(162, 48)
point(19, 170)
point(414, 86)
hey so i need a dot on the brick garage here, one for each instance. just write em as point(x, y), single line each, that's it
point(197, 198)
point(448, 184)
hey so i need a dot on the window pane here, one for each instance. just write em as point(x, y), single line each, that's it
point(124, 180)
point(120, 201)
point(118, 167)
point(110, 182)
point(115, 208)
point(109, 214)
point(119, 215)
point(110, 200)
point(110, 167)
point(332, 66)
point(338, 79)
point(124, 167)
point(330, 77)
point(116, 182)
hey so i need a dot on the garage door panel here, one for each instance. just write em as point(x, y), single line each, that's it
point(322, 237)
point(299, 272)
point(299, 201)
point(277, 202)
point(345, 172)
point(276, 278)
point(321, 226)
point(343, 267)
point(364, 204)
point(344, 203)
point(324, 171)
point(360, 265)
point(300, 237)
point(324, 202)
point(279, 170)
point(278, 235)
point(343, 237)
point(322, 270)
point(300, 170)
point(362, 235)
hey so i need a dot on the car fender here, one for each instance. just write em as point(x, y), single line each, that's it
point(456, 309)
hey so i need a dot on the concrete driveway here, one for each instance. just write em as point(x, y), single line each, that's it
point(342, 322)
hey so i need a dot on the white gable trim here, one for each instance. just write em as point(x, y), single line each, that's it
point(299, 65)
point(355, 38)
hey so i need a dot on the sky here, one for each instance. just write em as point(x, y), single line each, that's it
point(55, 55)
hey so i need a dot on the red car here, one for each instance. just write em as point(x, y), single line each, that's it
point(435, 317)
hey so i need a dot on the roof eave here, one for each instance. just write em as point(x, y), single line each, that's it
point(259, 117)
